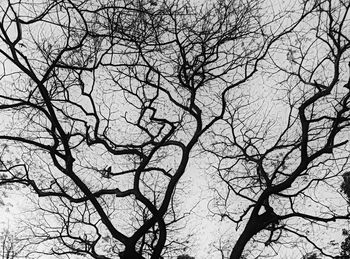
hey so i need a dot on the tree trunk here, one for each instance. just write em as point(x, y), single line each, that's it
point(255, 224)
point(130, 254)
point(247, 234)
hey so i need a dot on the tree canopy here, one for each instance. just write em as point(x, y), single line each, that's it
point(107, 104)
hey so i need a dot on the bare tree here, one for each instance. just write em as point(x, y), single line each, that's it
point(282, 168)
point(104, 103)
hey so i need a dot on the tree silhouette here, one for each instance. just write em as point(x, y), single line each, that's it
point(277, 165)
point(105, 104)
